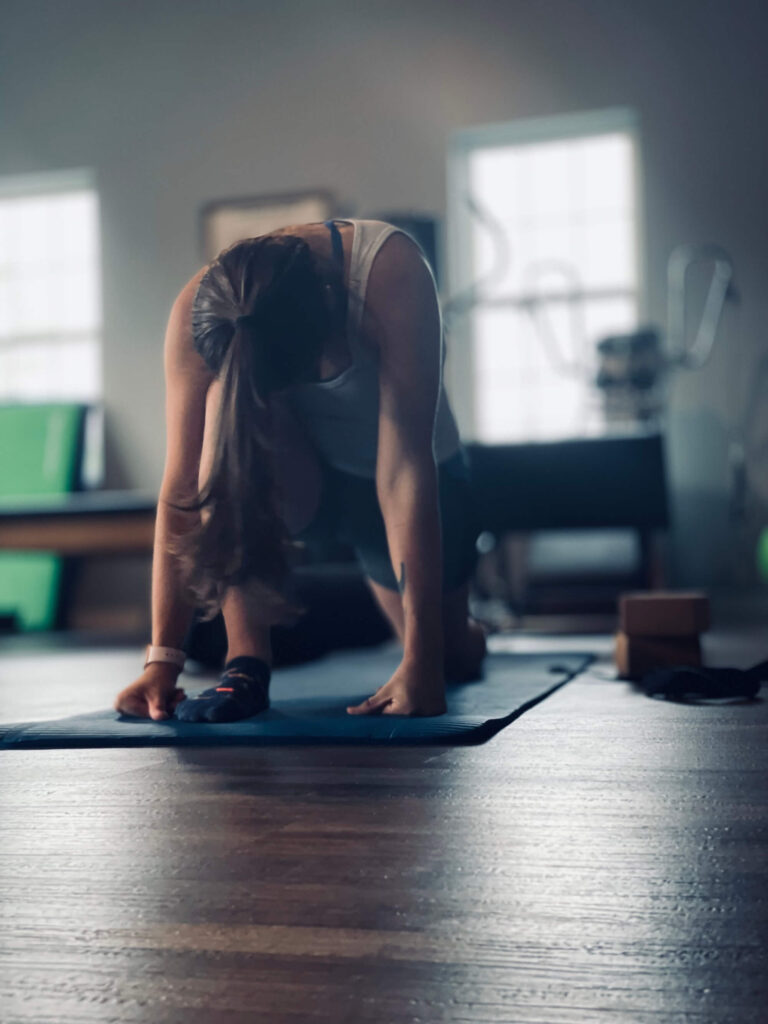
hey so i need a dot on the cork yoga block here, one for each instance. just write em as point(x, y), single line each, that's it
point(662, 613)
point(638, 655)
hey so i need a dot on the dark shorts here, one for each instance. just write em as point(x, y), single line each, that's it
point(349, 512)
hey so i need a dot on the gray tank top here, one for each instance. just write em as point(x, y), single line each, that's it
point(341, 414)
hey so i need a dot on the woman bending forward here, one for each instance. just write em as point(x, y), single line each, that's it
point(304, 402)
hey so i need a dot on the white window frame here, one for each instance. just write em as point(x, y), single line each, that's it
point(55, 183)
point(460, 367)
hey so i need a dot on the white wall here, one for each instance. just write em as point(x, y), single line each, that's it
point(176, 103)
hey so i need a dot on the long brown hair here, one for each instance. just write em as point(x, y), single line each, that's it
point(262, 315)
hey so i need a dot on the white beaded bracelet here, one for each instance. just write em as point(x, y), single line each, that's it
point(170, 655)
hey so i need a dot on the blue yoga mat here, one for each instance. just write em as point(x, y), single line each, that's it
point(309, 706)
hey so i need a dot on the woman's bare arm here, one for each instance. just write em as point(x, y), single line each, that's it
point(403, 304)
point(187, 380)
point(187, 383)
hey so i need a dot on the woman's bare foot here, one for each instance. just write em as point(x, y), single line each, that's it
point(464, 659)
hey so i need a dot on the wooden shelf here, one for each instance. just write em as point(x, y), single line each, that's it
point(90, 523)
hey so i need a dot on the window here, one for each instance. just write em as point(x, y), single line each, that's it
point(542, 245)
point(50, 303)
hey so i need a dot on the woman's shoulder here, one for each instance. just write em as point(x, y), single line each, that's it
point(399, 256)
point(399, 270)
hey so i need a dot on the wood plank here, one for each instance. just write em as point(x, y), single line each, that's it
point(123, 533)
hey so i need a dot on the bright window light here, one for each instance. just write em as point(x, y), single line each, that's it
point(545, 222)
point(50, 302)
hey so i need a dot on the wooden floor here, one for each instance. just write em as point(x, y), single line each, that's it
point(602, 859)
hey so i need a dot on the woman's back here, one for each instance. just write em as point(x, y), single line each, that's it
point(340, 413)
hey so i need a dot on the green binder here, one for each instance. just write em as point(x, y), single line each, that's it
point(40, 454)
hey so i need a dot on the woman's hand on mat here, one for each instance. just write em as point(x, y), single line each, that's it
point(416, 688)
point(153, 695)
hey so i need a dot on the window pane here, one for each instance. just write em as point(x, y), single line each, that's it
point(561, 212)
point(49, 281)
point(523, 392)
point(533, 378)
point(5, 306)
point(552, 195)
point(603, 317)
point(607, 174)
point(566, 200)
point(607, 254)
point(50, 297)
point(551, 249)
point(65, 370)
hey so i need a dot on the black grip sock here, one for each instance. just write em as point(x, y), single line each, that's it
point(242, 691)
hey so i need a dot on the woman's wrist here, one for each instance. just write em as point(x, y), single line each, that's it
point(163, 670)
point(157, 654)
point(424, 642)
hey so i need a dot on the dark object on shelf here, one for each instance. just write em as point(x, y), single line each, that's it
point(630, 360)
point(630, 370)
point(707, 683)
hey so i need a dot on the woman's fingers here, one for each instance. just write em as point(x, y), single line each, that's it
point(157, 708)
point(371, 705)
point(132, 704)
point(149, 697)
point(178, 696)
point(396, 709)
point(129, 706)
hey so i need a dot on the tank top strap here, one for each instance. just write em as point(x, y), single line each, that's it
point(338, 256)
point(338, 248)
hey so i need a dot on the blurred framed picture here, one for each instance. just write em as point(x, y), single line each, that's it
point(226, 221)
